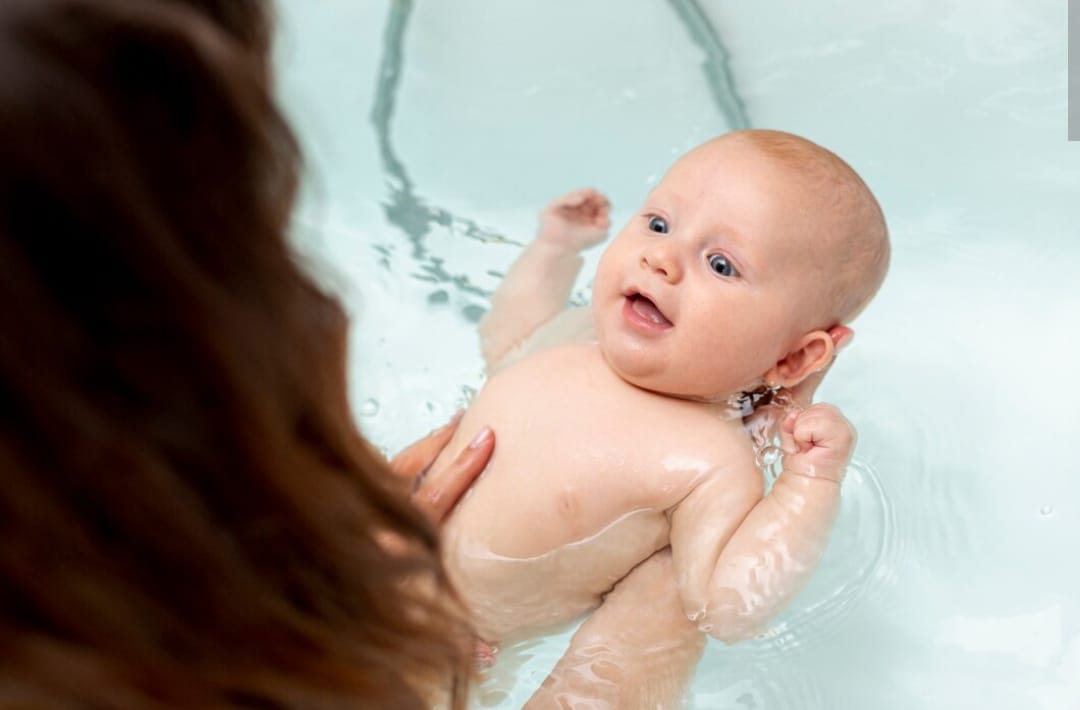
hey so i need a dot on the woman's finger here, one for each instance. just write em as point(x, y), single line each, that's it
point(415, 458)
point(440, 490)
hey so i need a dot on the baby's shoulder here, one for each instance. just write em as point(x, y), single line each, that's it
point(571, 326)
point(726, 438)
point(713, 425)
point(723, 443)
point(688, 450)
point(719, 445)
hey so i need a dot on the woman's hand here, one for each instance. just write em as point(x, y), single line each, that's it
point(436, 492)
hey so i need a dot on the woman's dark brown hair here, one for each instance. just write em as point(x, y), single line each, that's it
point(188, 517)
point(248, 22)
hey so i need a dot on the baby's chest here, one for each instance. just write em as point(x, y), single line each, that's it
point(578, 449)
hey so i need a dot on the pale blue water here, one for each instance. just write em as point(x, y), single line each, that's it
point(435, 130)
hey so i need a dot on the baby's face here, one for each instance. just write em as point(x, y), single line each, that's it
point(716, 277)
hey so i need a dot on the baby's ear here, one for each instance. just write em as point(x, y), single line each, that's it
point(813, 352)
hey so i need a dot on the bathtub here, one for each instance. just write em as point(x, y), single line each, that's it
point(435, 130)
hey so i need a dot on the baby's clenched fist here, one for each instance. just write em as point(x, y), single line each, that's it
point(817, 442)
point(577, 220)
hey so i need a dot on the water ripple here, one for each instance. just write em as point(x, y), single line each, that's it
point(858, 559)
point(756, 688)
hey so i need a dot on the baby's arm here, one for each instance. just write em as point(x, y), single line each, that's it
point(538, 284)
point(637, 650)
point(773, 551)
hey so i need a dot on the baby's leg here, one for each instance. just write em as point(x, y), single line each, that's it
point(538, 284)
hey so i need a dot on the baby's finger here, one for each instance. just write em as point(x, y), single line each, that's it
point(439, 491)
point(787, 432)
point(594, 198)
point(576, 198)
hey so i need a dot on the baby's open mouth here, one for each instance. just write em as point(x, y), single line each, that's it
point(648, 310)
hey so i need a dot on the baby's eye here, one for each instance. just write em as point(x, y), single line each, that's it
point(658, 224)
point(720, 264)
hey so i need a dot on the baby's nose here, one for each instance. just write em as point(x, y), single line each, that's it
point(660, 260)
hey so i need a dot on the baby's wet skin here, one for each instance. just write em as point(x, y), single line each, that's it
point(633, 439)
point(595, 505)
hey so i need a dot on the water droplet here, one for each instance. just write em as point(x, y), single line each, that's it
point(369, 408)
point(1047, 510)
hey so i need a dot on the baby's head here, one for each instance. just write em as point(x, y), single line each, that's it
point(730, 275)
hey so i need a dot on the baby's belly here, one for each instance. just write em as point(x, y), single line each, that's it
point(517, 597)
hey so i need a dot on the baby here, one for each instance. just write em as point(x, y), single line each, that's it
point(620, 430)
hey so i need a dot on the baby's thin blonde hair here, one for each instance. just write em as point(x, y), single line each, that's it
point(862, 245)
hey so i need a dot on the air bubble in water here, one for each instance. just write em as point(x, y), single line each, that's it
point(369, 408)
point(1047, 510)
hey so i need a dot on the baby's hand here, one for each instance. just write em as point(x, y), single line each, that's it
point(576, 221)
point(817, 442)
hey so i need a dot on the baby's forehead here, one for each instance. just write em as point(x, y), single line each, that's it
point(800, 183)
point(718, 163)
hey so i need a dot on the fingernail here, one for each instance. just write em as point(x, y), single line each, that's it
point(481, 438)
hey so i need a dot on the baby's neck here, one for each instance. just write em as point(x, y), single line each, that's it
point(734, 406)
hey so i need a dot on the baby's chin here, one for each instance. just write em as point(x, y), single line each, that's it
point(644, 370)
point(660, 380)
point(632, 368)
